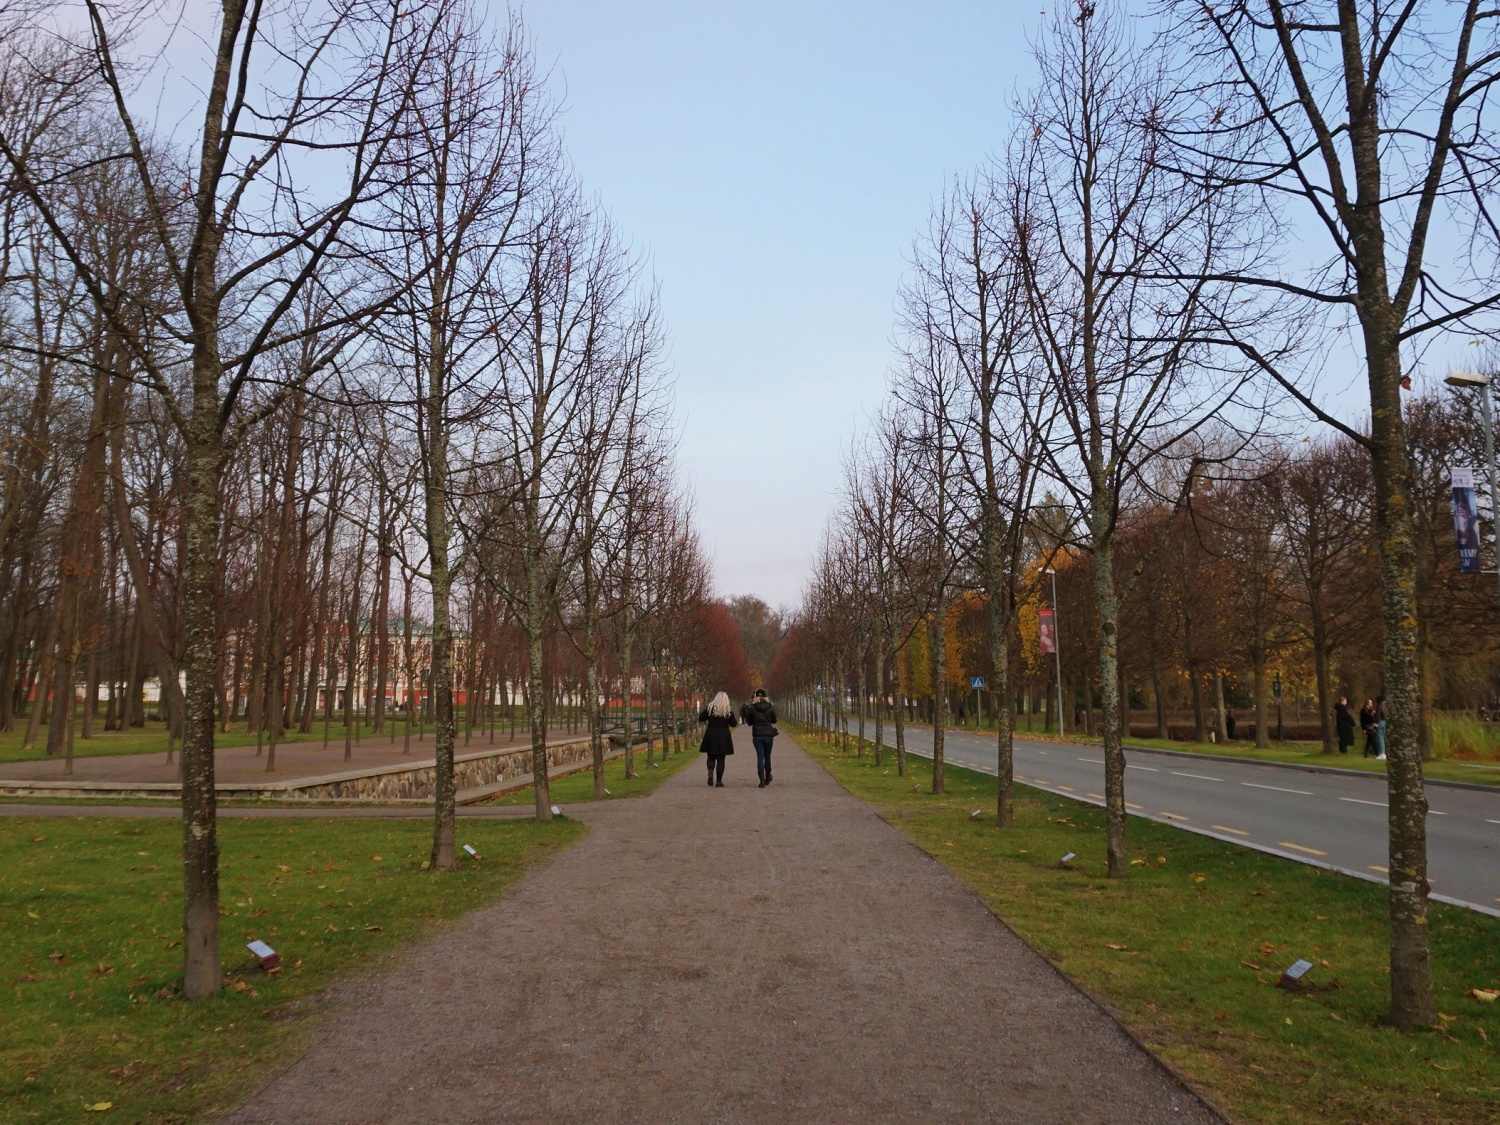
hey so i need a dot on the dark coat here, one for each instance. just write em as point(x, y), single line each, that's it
point(717, 741)
point(1345, 724)
point(762, 718)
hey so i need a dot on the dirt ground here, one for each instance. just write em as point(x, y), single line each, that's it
point(726, 955)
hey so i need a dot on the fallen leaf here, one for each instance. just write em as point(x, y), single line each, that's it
point(26, 978)
point(240, 986)
point(1449, 1019)
point(102, 971)
point(1253, 965)
point(282, 867)
point(1485, 995)
point(99, 1107)
point(1200, 878)
point(376, 858)
point(372, 929)
point(1266, 949)
point(1115, 945)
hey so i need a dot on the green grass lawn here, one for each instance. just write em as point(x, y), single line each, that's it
point(90, 925)
point(577, 788)
point(1187, 952)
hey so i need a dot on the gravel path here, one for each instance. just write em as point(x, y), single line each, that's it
point(727, 955)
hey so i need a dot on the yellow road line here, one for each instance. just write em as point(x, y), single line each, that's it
point(1096, 796)
point(1387, 871)
point(1236, 831)
point(1300, 848)
point(1173, 816)
point(1128, 805)
point(1065, 789)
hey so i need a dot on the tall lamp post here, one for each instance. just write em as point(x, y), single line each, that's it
point(1056, 647)
point(1472, 379)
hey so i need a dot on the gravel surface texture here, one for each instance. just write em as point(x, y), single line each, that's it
point(727, 955)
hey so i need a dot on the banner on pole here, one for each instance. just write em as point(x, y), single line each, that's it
point(1465, 520)
point(1046, 631)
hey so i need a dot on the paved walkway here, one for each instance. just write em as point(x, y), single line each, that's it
point(726, 955)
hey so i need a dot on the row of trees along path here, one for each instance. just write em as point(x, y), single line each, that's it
point(1111, 338)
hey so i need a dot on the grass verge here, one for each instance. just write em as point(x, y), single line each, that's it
point(1187, 952)
point(578, 788)
point(90, 926)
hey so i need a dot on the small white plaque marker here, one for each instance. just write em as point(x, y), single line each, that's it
point(556, 811)
point(976, 814)
point(1065, 859)
point(268, 957)
point(1292, 978)
point(470, 849)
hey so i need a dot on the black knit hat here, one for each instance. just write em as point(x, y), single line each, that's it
point(760, 693)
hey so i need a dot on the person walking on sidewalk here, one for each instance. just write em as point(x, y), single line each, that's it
point(717, 743)
point(761, 716)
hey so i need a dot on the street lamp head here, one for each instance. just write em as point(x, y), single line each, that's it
point(1466, 379)
point(1045, 570)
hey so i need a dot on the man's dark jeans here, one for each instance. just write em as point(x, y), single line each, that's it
point(763, 755)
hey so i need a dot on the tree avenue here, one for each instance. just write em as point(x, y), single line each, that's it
point(1110, 347)
point(348, 411)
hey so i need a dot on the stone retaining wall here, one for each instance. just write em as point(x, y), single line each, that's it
point(470, 771)
point(408, 782)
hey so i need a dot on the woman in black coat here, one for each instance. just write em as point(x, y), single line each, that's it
point(1345, 724)
point(717, 743)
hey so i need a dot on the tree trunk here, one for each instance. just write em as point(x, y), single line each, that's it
point(937, 636)
point(1108, 603)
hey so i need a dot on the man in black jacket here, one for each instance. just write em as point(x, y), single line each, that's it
point(760, 716)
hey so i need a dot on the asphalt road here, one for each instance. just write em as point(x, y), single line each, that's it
point(1331, 820)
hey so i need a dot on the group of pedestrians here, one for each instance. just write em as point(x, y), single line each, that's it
point(1372, 722)
point(719, 719)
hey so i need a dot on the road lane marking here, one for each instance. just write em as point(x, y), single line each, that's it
point(1128, 805)
point(1382, 870)
point(1357, 801)
point(1096, 796)
point(1173, 816)
point(1095, 761)
point(1199, 776)
point(1065, 789)
point(1300, 848)
point(1148, 769)
point(1236, 831)
point(1492, 821)
point(1279, 789)
point(1434, 812)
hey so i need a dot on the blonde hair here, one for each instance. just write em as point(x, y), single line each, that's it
point(721, 708)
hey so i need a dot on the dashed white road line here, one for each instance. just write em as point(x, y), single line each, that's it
point(1279, 789)
point(1199, 776)
point(1148, 769)
point(1357, 801)
point(1095, 761)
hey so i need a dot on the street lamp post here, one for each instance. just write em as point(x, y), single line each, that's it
point(1472, 379)
point(1056, 648)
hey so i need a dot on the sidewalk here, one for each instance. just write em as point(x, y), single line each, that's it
point(726, 955)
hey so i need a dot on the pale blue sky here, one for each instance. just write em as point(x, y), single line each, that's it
point(775, 160)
